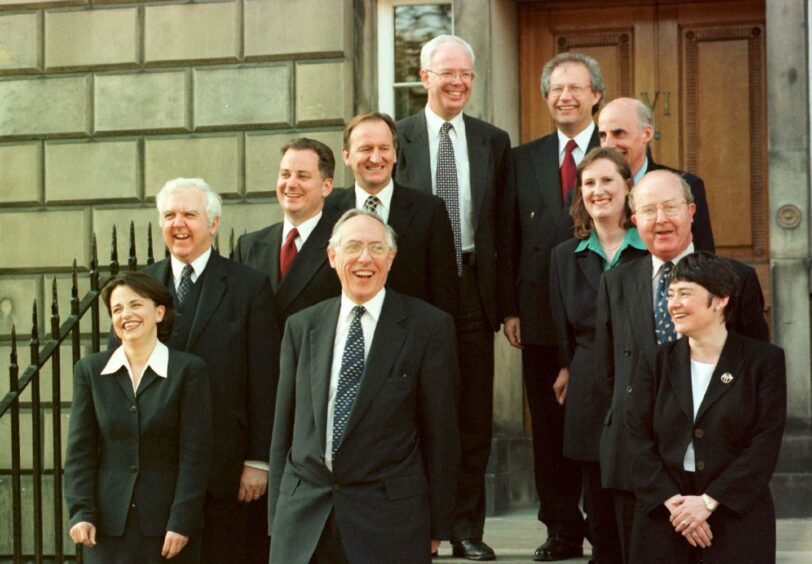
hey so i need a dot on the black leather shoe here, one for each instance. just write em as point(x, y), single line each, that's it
point(558, 548)
point(472, 549)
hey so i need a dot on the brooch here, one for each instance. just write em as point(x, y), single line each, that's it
point(727, 378)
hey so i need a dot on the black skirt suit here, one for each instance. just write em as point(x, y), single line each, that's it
point(736, 435)
point(137, 463)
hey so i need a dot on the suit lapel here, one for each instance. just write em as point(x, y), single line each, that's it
point(730, 366)
point(214, 287)
point(310, 258)
point(401, 212)
point(416, 152)
point(125, 383)
point(321, 339)
point(386, 344)
point(545, 164)
point(639, 297)
point(591, 266)
point(679, 373)
point(146, 380)
point(268, 251)
point(480, 165)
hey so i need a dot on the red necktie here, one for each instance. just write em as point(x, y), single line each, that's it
point(568, 170)
point(288, 253)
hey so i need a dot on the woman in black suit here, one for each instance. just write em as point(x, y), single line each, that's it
point(706, 420)
point(604, 237)
point(140, 437)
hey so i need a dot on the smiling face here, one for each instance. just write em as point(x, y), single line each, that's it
point(665, 236)
point(620, 130)
point(694, 309)
point(604, 191)
point(571, 97)
point(135, 317)
point(362, 259)
point(186, 231)
point(371, 155)
point(448, 96)
point(300, 187)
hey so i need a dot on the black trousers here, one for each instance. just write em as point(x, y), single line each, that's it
point(625, 503)
point(600, 509)
point(329, 549)
point(558, 479)
point(235, 531)
point(475, 408)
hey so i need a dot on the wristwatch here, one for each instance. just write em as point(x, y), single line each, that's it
point(710, 503)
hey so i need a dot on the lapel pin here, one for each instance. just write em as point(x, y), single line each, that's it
point(727, 378)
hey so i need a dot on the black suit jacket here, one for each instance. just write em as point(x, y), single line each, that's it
point(736, 436)
point(574, 281)
point(701, 227)
point(393, 483)
point(491, 171)
point(310, 278)
point(625, 333)
point(544, 222)
point(235, 333)
point(152, 448)
point(425, 266)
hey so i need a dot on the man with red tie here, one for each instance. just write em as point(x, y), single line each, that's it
point(573, 87)
point(293, 251)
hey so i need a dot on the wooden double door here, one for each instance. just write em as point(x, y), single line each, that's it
point(701, 67)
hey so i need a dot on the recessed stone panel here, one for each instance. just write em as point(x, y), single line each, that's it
point(83, 171)
point(45, 239)
point(17, 295)
point(270, 27)
point(191, 31)
point(21, 177)
point(242, 96)
point(322, 92)
point(246, 217)
point(91, 37)
point(141, 101)
point(19, 42)
point(215, 159)
point(44, 105)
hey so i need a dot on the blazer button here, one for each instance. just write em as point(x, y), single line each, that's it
point(133, 469)
point(133, 409)
point(700, 465)
point(629, 389)
point(699, 433)
point(532, 214)
point(627, 352)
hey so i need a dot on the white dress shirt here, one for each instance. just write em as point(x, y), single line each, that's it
point(369, 320)
point(385, 196)
point(657, 266)
point(305, 229)
point(199, 264)
point(158, 361)
point(701, 374)
point(460, 144)
point(582, 140)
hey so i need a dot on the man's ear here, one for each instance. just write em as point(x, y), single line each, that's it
point(331, 256)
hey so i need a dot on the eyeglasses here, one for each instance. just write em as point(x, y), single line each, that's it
point(448, 76)
point(356, 248)
point(574, 89)
point(671, 208)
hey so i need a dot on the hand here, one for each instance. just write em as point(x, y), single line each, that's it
point(560, 385)
point(83, 533)
point(690, 515)
point(513, 331)
point(701, 536)
point(173, 544)
point(435, 545)
point(252, 484)
point(673, 503)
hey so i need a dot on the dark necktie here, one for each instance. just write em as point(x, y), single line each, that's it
point(448, 189)
point(568, 170)
point(372, 203)
point(349, 379)
point(185, 284)
point(663, 324)
point(288, 253)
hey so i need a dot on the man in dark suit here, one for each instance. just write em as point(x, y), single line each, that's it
point(629, 323)
point(466, 162)
point(425, 267)
point(224, 315)
point(627, 125)
point(365, 449)
point(573, 87)
point(293, 251)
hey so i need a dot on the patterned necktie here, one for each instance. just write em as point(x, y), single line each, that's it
point(349, 379)
point(568, 170)
point(372, 203)
point(663, 324)
point(288, 253)
point(448, 189)
point(185, 284)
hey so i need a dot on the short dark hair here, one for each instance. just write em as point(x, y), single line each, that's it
point(713, 273)
point(327, 161)
point(371, 116)
point(148, 287)
point(582, 222)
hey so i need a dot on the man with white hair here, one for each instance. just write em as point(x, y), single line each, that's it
point(224, 314)
point(467, 163)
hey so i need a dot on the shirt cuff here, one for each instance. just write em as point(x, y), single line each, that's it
point(258, 464)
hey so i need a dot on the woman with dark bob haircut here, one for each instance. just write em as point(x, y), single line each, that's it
point(604, 238)
point(706, 420)
point(140, 437)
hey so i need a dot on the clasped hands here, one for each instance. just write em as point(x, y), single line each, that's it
point(85, 533)
point(689, 517)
